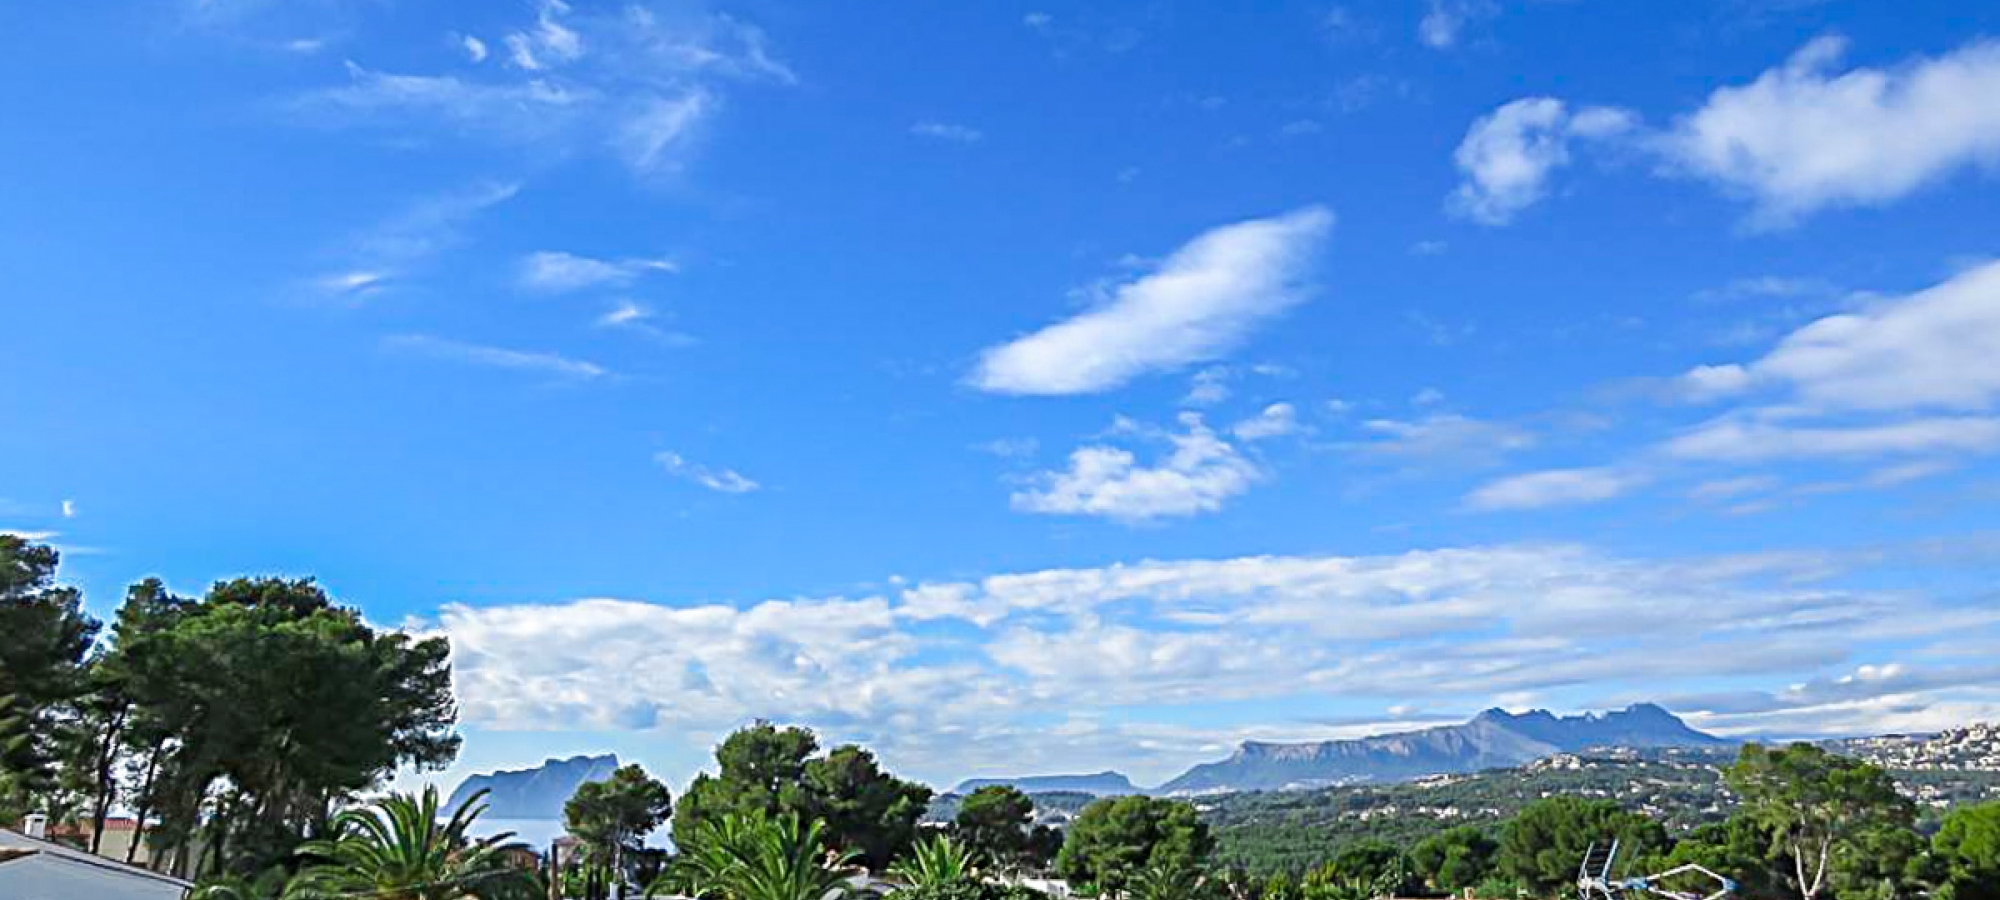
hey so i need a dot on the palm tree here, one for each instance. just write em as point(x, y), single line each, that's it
point(754, 857)
point(938, 862)
point(267, 885)
point(1162, 881)
point(396, 849)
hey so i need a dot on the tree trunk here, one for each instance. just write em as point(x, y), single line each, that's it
point(107, 753)
point(145, 804)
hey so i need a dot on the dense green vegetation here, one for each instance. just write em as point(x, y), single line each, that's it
point(773, 770)
point(235, 725)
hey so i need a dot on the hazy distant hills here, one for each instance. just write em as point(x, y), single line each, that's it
point(537, 793)
point(1102, 784)
point(1493, 739)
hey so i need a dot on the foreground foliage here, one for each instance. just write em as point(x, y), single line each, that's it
point(937, 862)
point(765, 768)
point(1117, 840)
point(397, 849)
point(752, 856)
point(231, 725)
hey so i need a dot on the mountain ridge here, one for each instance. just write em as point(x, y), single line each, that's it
point(1494, 738)
point(1107, 783)
point(538, 792)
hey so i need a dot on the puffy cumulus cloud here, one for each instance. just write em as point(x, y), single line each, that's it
point(1803, 136)
point(1199, 304)
point(629, 665)
point(1040, 662)
point(636, 82)
point(1199, 474)
point(1508, 155)
point(1276, 420)
point(1555, 487)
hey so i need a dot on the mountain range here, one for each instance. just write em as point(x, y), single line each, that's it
point(537, 793)
point(1493, 739)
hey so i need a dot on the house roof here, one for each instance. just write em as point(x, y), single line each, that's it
point(15, 846)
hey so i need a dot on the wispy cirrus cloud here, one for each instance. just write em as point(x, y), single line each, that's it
point(391, 250)
point(723, 480)
point(556, 271)
point(1903, 379)
point(951, 132)
point(554, 364)
point(1198, 305)
point(638, 84)
point(1554, 487)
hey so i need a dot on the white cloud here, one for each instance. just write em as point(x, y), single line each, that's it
point(549, 42)
point(1508, 155)
point(1054, 651)
point(1199, 475)
point(661, 124)
point(69, 509)
point(496, 357)
point(1441, 26)
point(1011, 448)
point(1732, 488)
point(358, 283)
point(475, 49)
point(411, 237)
point(947, 131)
point(631, 316)
point(1741, 440)
point(727, 481)
point(1805, 137)
point(557, 271)
point(1208, 387)
point(1442, 438)
point(1933, 349)
point(1198, 305)
point(1555, 487)
point(1276, 420)
point(636, 84)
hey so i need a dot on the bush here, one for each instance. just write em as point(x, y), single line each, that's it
point(969, 890)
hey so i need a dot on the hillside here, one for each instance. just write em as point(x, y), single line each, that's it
point(1682, 787)
point(1492, 739)
point(1104, 784)
point(537, 793)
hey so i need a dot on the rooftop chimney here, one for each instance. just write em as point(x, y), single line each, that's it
point(36, 826)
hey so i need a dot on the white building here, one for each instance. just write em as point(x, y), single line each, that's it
point(32, 869)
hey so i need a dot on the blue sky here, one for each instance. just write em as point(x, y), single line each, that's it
point(1021, 387)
